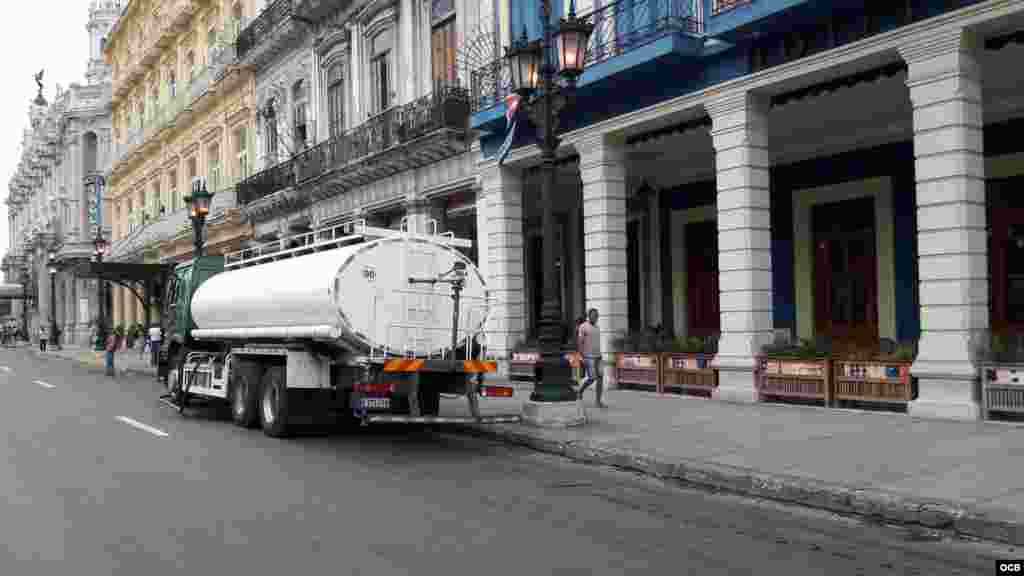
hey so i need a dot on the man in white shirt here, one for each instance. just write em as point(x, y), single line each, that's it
point(154, 343)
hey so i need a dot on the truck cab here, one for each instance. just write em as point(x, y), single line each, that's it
point(176, 315)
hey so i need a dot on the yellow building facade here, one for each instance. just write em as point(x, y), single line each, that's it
point(182, 109)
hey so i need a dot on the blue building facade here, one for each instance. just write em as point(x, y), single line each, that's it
point(749, 170)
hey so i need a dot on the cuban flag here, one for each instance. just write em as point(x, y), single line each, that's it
point(512, 107)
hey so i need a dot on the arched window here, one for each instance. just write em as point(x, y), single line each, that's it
point(335, 100)
point(270, 131)
point(299, 98)
point(443, 43)
point(380, 71)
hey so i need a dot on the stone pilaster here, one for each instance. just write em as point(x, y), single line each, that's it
point(742, 165)
point(501, 199)
point(603, 171)
point(944, 79)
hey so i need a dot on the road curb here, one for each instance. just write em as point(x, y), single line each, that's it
point(872, 504)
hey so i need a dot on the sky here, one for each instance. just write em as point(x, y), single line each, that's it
point(39, 34)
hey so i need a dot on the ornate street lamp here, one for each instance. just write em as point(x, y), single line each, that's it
point(100, 247)
point(199, 201)
point(53, 298)
point(536, 80)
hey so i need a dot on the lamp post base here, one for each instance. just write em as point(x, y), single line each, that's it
point(554, 414)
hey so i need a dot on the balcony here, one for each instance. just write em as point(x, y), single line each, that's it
point(273, 26)
point(627, 33)
point(422, 132)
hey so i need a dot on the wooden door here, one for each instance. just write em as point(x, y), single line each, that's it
point(702, 302)
point(846, 272)
point(1007, 269)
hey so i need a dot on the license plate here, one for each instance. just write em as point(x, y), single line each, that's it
point(375, 403)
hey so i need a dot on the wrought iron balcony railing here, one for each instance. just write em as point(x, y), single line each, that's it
point(619, 27)
point(263, 25)
point(446, 108)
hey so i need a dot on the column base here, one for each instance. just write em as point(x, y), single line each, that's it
point(554, 414)
point(736, 385)
point(946, 391)
point(944, 410)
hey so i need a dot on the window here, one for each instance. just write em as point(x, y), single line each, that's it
point(190, 65)
point(156, 202)
point(443, 42)
point(241, 153)
point(236, 20)
point(270, 127)
point(300, 133)
point(211, 41)
point(172, 190)
point(213, 172)
point(380, 71)
point(335, 101)
point(172, 83)
point(191, 170)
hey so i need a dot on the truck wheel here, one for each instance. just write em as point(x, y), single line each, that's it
point(274, 403)
point(245, 395)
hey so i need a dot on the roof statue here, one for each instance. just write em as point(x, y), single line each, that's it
point(40, 100)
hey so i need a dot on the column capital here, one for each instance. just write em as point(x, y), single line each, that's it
point(494, 177)
point(600, 149)
point(940, 43)
point(720, 107)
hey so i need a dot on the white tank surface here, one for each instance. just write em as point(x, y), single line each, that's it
point(357, 295)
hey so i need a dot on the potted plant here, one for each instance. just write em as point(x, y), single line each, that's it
point(800, 371)
point(1000, 359)
point(638, 359)
point(875, 374)
point(687, 366)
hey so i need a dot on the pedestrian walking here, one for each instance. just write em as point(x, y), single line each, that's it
point(42, 339)
point(111, 348)
point(577, 368)
point(589, 344)
point(154, 343)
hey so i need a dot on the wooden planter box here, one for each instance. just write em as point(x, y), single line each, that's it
point(872, 381)
point(1002, 388)
point(521, 366)
point(640, 371)
point(688, 373)
point(797, 379)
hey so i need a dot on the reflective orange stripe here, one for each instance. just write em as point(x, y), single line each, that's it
point(403, 365)
point(477, 366)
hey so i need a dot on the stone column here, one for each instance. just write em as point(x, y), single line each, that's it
point(944, 79)
point(654, 289)
point(742, 164)
point(603, 171)
point(501, 196)
point(481, 231)
point(407, 49)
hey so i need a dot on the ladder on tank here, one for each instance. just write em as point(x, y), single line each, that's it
point(345, 233)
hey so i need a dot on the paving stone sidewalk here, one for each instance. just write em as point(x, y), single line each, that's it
point(960, 476)
point(125, 361)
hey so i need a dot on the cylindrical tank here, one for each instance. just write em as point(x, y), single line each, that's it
point(357, 296)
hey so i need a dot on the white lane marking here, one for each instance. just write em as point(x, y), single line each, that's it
point(44, 384)
point(146, 427)
point(5, 368)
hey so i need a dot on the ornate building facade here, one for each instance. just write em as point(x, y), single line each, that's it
point(361, 113)
point(182, 109)
point(51, 214)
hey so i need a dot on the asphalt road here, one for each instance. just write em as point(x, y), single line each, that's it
point(101, 479)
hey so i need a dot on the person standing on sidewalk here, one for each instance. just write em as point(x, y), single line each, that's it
point(42, 339)
point(111, 348)
point(589, 343)
point(154, 343)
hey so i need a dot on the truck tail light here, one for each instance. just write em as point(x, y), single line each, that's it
point(374, 388)
point(497, 391)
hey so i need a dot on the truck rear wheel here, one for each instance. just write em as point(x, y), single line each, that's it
point(245, 393)
point(274, 403)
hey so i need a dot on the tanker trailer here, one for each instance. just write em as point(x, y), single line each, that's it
point(370, 322)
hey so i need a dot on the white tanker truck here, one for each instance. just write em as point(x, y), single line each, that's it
point(371, 323)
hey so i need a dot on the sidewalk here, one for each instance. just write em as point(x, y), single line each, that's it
point(127, 361)
point(959, 476)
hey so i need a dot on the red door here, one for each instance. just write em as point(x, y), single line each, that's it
point(702, 279)
point(1007, 270)
point(846, 272)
